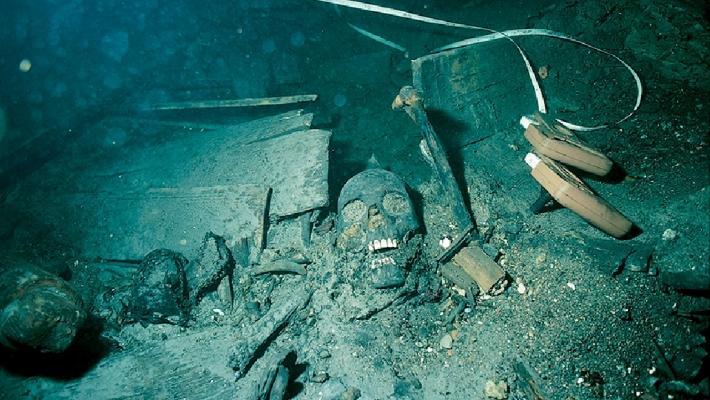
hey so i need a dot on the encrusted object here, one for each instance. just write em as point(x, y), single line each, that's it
point(213, 263)
point(38, 310)
point(160, 288)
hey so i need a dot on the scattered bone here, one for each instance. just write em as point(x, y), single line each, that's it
point(281, 266)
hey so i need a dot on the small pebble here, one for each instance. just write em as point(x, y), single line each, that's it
point(350, 393)
point(669, 234)
point(498, 391)
point(540, 259)
point(324, 354)
point(446, 342)
point(521, 286)
point(320, 377)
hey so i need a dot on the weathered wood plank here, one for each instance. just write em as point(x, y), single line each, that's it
point(125, 203)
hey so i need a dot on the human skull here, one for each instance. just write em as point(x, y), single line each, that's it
point(375, 212)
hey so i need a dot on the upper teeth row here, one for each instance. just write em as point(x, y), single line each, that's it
point(382, 244)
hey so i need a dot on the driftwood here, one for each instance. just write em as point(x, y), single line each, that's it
point(233, 103)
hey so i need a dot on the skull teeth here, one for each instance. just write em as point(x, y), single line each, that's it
point(379, 244)
point(382, 261)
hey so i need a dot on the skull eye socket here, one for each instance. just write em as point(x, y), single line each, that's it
point(354, 211)
point(395, 203)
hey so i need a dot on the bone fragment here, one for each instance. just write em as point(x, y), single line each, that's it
point(281, 266)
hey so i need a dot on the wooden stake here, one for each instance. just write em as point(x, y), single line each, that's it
point(233, 103)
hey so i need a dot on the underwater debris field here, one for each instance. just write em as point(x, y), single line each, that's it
point(237, 200)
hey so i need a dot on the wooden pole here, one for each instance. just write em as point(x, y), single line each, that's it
point(233, 103)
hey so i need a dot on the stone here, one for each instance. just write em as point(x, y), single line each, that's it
point(496, 390)
point(320, 377)
point(446, 342)
point(333, 389)
point(38, 310)
point(350, 393)
point(387, 276)
point(669, 234)
point(490, 250)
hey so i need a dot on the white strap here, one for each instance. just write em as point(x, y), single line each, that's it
point(495, 35)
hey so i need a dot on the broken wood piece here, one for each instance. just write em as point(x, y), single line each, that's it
point(306, 221)
point(261, 334)
point(281, 266)
point(457, 276)
point(159, 292)
point(188, 125)
point(213, 263)
point(529, 382)
point(225, 291)
point(482, 269)
point(233, 103)
point(275, 382)
point(262, 228)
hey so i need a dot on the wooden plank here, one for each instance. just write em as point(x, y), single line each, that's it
point(129, 225)
point(171, 369)
point(475, 109)
point(466, 85)
point(142, 197)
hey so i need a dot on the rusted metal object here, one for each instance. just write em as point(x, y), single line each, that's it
point(160, 290)
point(38, 310)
